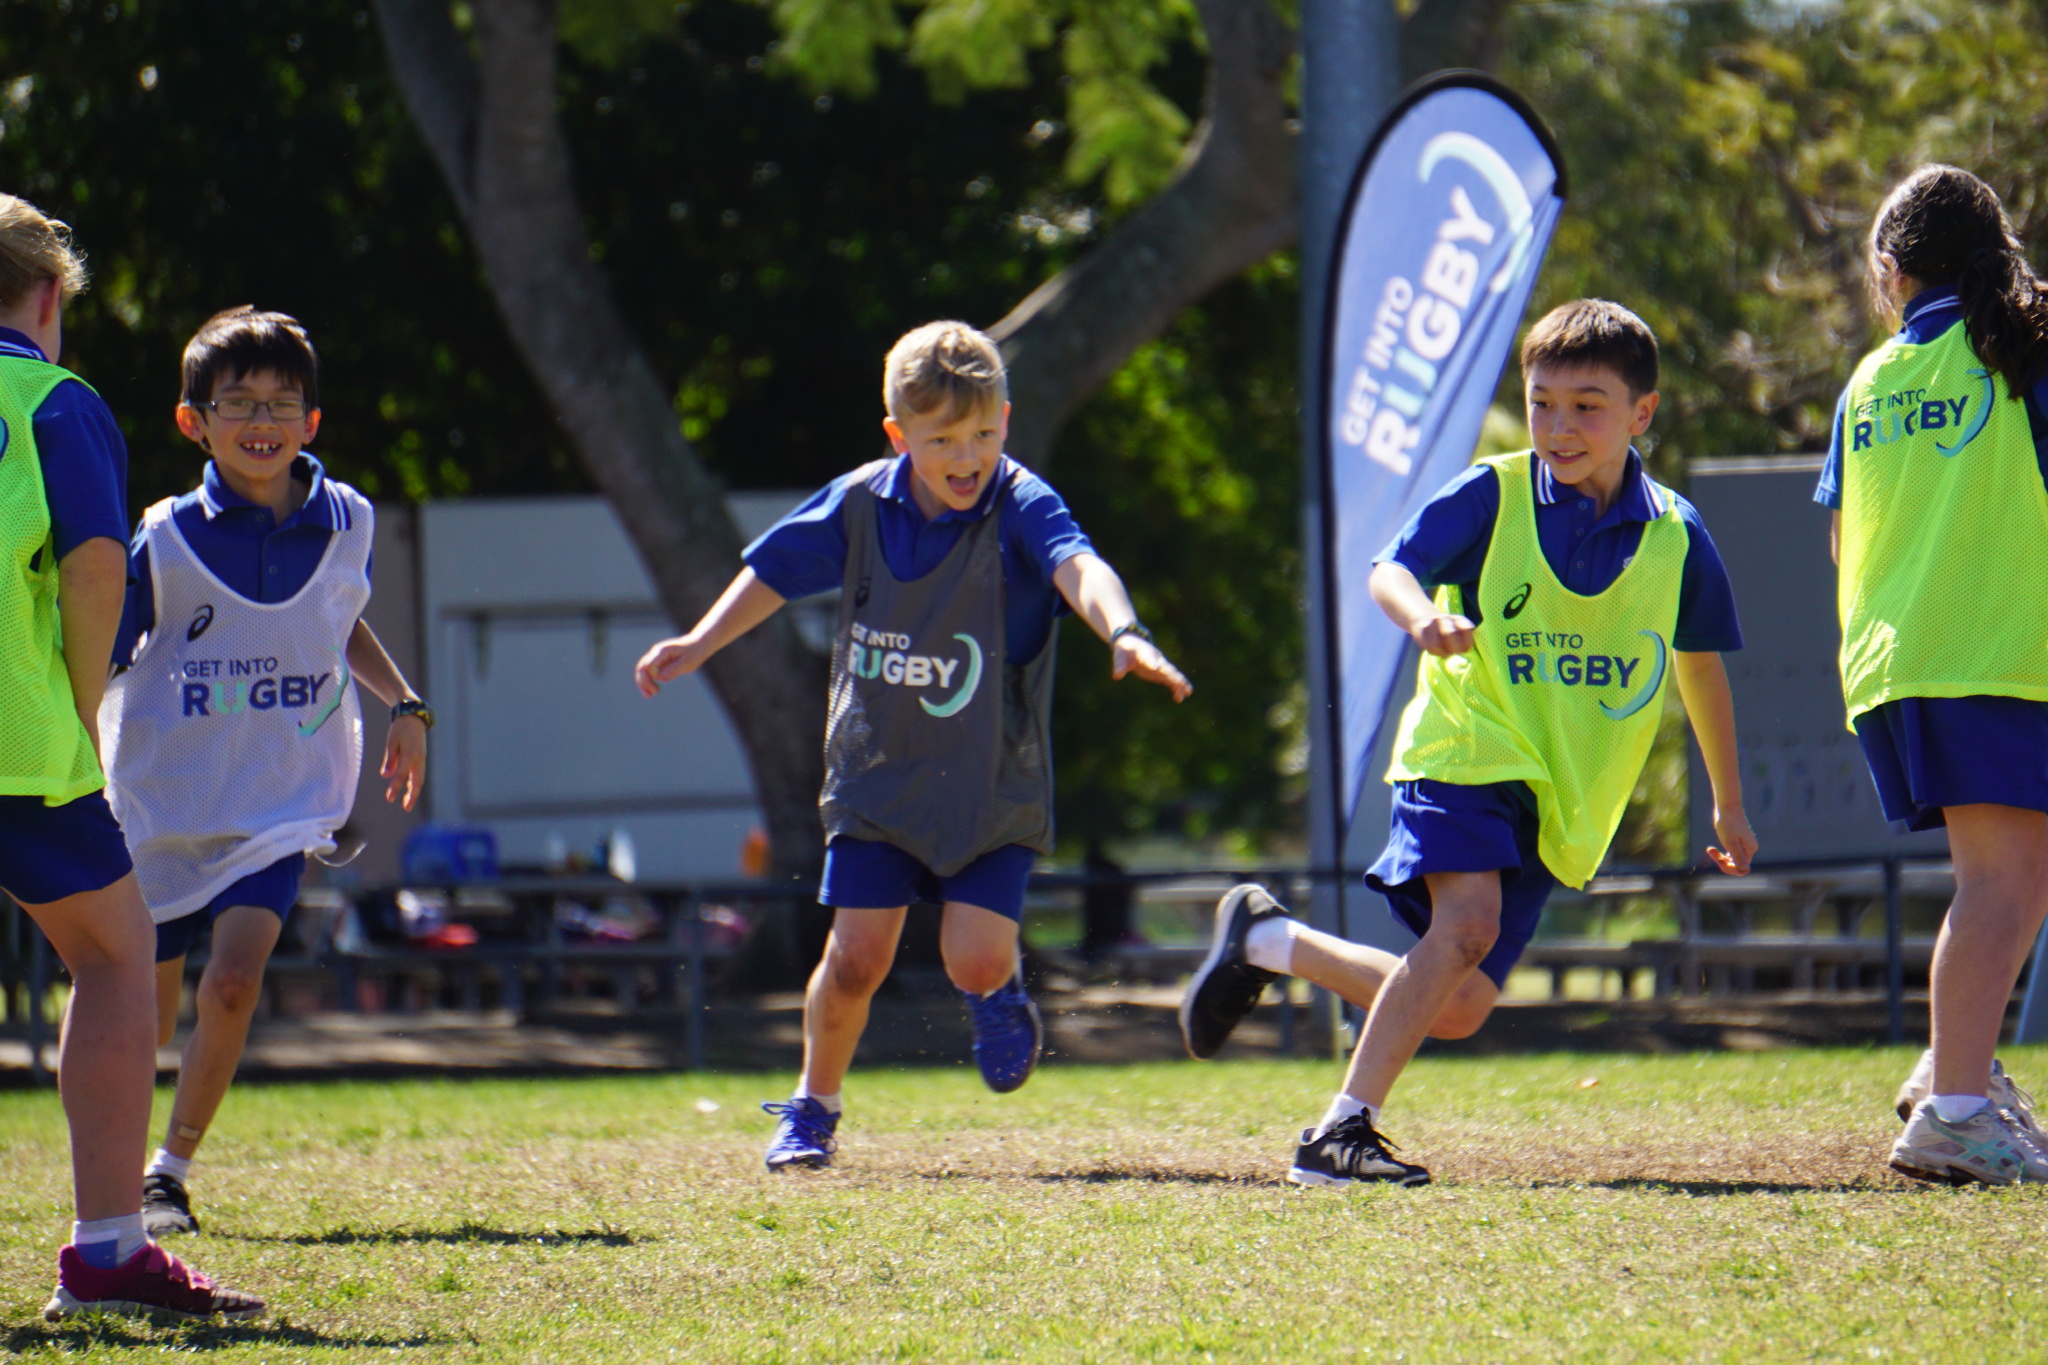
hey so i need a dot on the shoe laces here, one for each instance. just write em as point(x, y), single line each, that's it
point(1357, 1142)
point(999, 1014)
point(810, 1123)
point(2021, 1100)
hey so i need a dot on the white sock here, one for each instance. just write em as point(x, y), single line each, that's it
point(1342, 1108)
point(832, 1102)
point(163, 1163)
point(1956, 1108)
point(110, 1242)
point(1270, 944)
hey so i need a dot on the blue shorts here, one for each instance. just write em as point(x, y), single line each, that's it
point(1928, 752)
point(1446, 827)
point(861, 874)
point(275, 888)
point(50, 852)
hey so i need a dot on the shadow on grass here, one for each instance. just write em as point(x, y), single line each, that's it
point(1146, 1175)
point(465, 1234)
point(1716, 1188)
point(106, 1333)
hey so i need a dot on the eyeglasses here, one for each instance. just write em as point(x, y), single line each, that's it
point(242, 409)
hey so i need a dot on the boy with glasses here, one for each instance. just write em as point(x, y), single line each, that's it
point(234, 737)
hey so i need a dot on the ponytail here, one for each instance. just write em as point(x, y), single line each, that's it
point(1942, 225)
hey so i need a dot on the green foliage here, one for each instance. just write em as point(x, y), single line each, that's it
point(295, 182)
point(1185, 473)
point(1726, 159)
point(1125, 130)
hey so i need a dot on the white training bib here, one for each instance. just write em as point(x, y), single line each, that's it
point(236, 738)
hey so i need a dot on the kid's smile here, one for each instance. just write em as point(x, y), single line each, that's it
point(964, 485)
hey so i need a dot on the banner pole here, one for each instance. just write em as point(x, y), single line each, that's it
point(1350, 60)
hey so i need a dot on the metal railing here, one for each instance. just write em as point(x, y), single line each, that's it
point(681, 955)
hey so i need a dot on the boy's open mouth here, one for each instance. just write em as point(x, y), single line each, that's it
point(261, 450)
point(963, 485)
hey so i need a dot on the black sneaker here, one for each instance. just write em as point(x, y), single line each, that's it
point(1226, 987)
point(1350, 1152)
point(165, 1206)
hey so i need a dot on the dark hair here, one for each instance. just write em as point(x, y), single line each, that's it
point(242, 341)
point(1593, 332)
point(1942, 225)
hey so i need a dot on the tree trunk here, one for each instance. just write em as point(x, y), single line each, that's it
point(490, 123)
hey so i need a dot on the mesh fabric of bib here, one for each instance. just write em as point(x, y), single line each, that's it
point(1559, 690)
point(1944, 547)
point(236, 738)
point(934, 741)
point(44, 748)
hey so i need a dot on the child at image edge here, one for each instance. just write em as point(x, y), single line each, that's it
point(1567, 584)
point(1936, 474)
point(63, 523)
point(954, 563)
point(234, 737)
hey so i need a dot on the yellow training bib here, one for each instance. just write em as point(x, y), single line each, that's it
point(44, 748)
point(1944, 583)
point(1559, 690)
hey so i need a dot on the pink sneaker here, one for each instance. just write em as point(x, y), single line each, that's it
point(154, 1284)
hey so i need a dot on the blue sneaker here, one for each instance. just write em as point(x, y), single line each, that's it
point(1008, 1035)
point(805, 1135)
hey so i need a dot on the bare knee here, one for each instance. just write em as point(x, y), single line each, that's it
point(981, 973)
point(230, 991)
point(1467, 941)
point(1460, 1020)
point(853, 972)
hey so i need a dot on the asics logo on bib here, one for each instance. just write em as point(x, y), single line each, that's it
point(1516, 603)
point(1900, 416)
point(885, 656)
point(201, 619)
point(1540, 657)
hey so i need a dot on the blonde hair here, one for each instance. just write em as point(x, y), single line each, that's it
point(35, 247)
point(943, 363)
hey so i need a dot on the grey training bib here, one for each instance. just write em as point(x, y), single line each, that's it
point(934, 741)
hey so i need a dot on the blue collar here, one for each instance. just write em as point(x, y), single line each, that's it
point(898, 489)
point(1637, 501)
point(323, 506)
point(1929, 313)
point(17, 344)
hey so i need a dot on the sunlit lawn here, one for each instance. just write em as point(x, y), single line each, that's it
point(1712, 1207)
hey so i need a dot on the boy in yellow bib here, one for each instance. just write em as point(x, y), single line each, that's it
point(1568, 589)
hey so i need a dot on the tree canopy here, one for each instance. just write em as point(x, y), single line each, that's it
point(778, 190)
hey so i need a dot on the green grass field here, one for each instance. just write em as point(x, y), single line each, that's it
point(1694, 1207)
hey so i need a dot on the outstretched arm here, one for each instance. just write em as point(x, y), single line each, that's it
point(404, 769)
point(1097, 596)
point(1703, 686)
point(746, 603)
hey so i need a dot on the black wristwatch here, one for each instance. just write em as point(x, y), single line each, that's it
point(1136, 628)
point(414, 707)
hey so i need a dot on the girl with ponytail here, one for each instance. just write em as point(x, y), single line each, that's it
point(1940, 494)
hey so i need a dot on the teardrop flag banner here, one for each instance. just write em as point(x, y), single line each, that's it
point(1445, 227)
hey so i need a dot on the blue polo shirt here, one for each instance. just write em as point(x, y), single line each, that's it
point(243, 545)
point(84, 458)
point(805, 553)
point(1929, 314)
point(1447, 540)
